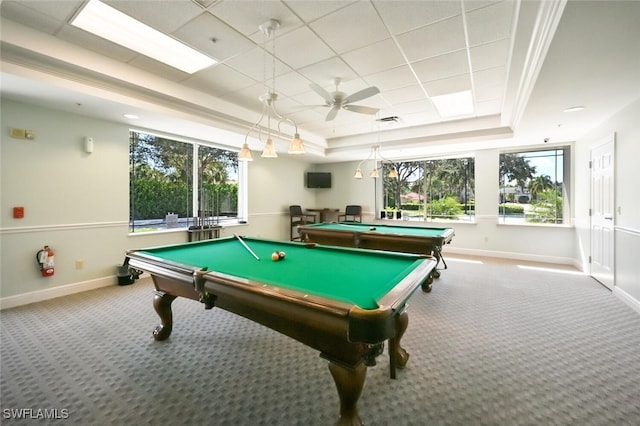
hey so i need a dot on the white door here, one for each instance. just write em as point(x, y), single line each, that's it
point(602, 212)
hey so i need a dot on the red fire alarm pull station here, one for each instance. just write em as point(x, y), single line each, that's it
point(18, 212)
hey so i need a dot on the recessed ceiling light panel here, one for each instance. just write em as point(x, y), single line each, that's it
point(113, 25)
point(453, 104)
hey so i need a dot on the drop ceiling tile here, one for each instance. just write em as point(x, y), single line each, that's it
point(490, 23)
point(470, 5)
point(404, 94)
point(291, 84)
point(374, 58)
point(311, 10)
point(165, 16)
point(213, 37)
point(445, 86)
point(489, 77)
point(41, 15)
point(420, 117)
point(247, 16)
point(443, 66)
point(404, 16)
point(341, 31)
point(488, 93)
point(412, 107)
point(301, 47)
point(392, 79)
point(433, 40)
point(257, 64)
point(323, 73)
point(489, 55)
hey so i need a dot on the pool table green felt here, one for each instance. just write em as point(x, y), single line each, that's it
point(364, 278)
point(398, 238)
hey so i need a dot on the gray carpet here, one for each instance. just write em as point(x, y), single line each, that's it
point(492, 344)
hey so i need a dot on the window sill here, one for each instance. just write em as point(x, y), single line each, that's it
point(538, 225)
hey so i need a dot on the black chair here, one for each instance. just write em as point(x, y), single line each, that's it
point(297, 218)
point(353, 212)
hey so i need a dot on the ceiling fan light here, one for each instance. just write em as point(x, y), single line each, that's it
point(358, 174)
point(296, 146)
point(374, 173)
point(245, 153)
point(393, 173)
point(269, 150)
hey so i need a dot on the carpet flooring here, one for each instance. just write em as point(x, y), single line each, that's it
point(495, 343)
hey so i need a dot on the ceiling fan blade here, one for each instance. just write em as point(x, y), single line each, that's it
point(361, 109)
point(332, 114)
point(323, 93)
point(362, 94)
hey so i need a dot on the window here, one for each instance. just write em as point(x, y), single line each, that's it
point(533, 186)
point(430, 189)
point(177, 184)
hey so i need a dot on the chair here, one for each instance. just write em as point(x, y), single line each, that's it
point(355, 212)
point(298, 218)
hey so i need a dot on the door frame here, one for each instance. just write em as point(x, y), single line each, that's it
point(608, 280)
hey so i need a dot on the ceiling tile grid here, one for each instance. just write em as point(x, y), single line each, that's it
point(410, 50)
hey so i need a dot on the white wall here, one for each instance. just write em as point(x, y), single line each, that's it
point(626, 127)
point(78, 203)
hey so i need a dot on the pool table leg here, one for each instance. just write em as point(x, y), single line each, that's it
point(162, 304)
point(349, 381)
point(398, 356)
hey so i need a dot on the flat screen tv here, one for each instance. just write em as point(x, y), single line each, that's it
point(318, 180)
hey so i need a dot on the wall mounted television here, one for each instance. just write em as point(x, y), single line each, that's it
point(318, 180)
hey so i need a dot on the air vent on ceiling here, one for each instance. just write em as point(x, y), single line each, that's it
point(393, 118)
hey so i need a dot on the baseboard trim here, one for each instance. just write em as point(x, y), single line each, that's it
point(510, 255)
point(52, 293)
point(627, 298)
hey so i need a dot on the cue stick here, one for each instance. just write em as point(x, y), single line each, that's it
point(246, 246)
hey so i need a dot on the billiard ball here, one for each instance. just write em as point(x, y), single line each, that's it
point(275, 256)
point(281, 255)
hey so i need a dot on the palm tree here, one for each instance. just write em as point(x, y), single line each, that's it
point(539, 185)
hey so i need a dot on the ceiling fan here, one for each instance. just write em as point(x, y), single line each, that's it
point(338, 100)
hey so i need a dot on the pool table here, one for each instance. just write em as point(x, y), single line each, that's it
point(342, 302)
point(399, 238)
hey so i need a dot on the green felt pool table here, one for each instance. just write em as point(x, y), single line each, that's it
point(343, 302)
point(400, 238)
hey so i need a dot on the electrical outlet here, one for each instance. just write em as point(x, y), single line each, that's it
point(79, 263)
point(486, 239)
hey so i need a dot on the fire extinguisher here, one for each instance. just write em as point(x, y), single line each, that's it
point(46, 262)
